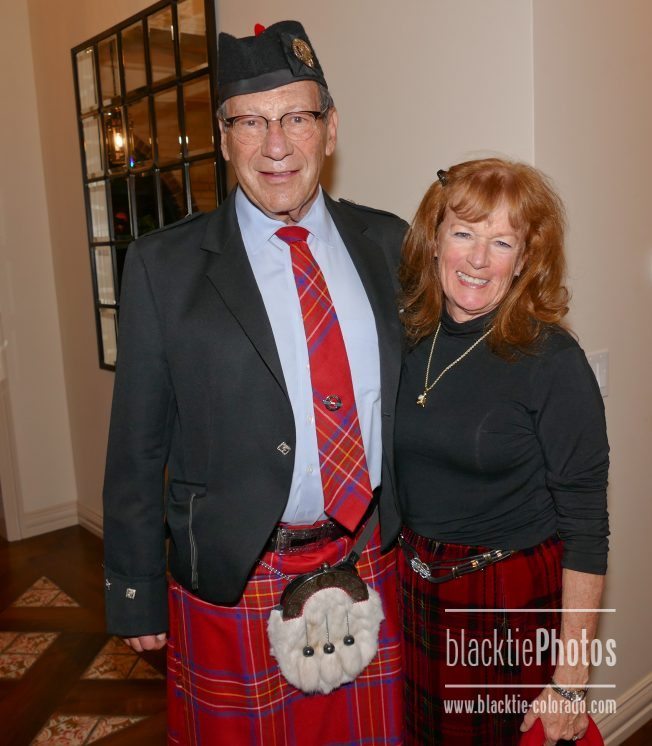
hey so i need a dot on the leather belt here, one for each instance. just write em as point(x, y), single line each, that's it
point(451, 569)
point(287, 539)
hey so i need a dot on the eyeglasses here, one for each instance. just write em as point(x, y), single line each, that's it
point(251, 129)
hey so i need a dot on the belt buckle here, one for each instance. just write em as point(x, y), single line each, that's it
point(420, 567)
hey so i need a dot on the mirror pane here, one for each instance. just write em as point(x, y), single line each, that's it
point(199, 116)
point(86, 80)
point(168, 136)
point(121, 212)
point(109, 329)
point(99, 213)
point(161, 45)
point(140, 134)
point(114, 139)
point(133, 57)
point(173, 198)
point(146, 203)
point(104, 274)
point(93, 146)
point(109, 70)
point(202, 186)
point(192, 35)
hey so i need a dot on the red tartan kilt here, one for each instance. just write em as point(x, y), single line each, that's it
point(224, 687)
point(435, 638)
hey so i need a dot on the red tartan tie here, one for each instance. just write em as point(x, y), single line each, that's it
point(342, 462)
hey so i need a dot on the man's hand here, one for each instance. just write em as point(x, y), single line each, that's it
point(147, 642)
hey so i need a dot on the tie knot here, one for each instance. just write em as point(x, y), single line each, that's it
point(292, 233)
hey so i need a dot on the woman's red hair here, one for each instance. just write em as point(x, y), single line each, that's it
point(472, 191)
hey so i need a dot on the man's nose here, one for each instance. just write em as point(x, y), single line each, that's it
point(276, 144)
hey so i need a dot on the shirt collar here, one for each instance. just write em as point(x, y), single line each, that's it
point(258, 229)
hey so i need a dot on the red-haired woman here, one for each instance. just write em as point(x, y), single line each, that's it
point(502, 459)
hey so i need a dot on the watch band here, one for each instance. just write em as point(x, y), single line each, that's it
point(572, 695)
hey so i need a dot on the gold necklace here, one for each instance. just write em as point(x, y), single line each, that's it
point(421, 399)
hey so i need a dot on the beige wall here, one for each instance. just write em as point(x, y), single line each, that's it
point(41, 440)
point(593, 128)
point(460, 70)
point(55, 29)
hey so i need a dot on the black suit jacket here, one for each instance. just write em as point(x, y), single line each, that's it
point(199, 389)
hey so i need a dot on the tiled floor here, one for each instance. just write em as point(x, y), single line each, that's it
point(63, 681)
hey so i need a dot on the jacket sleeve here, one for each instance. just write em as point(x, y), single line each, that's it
point(139, 439)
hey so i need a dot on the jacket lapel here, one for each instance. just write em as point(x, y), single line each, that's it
point(375, 272)
point(231, 275)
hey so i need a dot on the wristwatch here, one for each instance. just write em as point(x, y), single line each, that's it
point(572, 695)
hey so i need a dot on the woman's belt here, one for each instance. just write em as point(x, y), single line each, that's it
point(451, 569)
point(287, 539)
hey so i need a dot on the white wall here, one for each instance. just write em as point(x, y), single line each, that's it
point(42, 446)
point(593, 130)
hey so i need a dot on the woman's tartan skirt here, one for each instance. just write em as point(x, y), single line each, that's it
point(224, 687)
point(441, 632)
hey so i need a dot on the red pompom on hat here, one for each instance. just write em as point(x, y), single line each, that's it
point(258, 29)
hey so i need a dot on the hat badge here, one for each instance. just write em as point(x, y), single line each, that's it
point(303, 52)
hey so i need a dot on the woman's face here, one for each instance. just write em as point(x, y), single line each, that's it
point(477, 262)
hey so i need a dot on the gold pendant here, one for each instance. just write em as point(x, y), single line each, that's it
point(421, 399)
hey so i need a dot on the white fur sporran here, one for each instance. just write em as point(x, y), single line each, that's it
point(325, 631)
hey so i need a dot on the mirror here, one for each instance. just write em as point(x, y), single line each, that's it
point(161, 45)
point(133, 57)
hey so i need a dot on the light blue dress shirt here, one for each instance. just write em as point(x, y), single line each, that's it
point(272, 267)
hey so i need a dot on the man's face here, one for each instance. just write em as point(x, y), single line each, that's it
point(280, 176)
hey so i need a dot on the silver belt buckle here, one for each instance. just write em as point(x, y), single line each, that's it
point(420, 567)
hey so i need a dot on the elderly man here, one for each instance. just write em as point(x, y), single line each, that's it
point(255, 388)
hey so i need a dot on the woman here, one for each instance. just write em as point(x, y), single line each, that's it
point(502, 458)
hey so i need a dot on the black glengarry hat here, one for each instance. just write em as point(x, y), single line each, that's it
point(276, 56)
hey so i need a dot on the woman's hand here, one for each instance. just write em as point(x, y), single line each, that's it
point(146, 642)
point(559, 717)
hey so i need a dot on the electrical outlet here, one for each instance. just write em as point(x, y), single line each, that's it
point(599, 362)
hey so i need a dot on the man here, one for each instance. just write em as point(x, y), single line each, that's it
point(217, 382)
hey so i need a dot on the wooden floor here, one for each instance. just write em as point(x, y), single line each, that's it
point(63, 680)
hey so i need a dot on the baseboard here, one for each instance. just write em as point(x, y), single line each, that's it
point(90, 519)
point(49, 519)
point(633, 710)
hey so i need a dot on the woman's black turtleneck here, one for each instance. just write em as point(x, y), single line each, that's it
point(505, 453)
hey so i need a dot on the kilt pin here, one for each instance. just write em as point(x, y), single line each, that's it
point(438, 668)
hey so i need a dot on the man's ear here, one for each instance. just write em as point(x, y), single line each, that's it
point(331, 130)
point(223, 138)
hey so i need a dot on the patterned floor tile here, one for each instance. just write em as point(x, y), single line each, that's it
point(32, 643)
point(36, 598)
point(63, 599)
point(106, 726)
point(45, 593)
point(111, 667)
point(6, 638)
point(143, 670)
point(66, 730)
point(45, 584)
point(14, 666)
point(116, 646)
